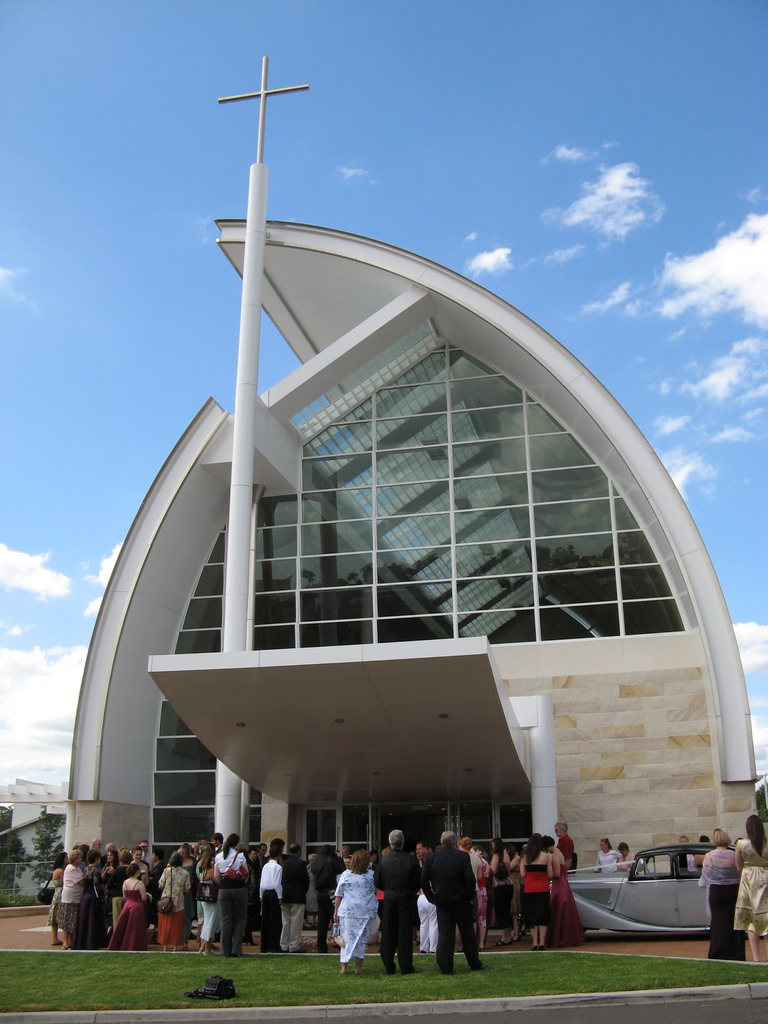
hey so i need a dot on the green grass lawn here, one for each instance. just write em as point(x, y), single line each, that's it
point(127, 981)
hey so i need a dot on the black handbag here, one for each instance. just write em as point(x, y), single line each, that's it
point(207, 891)
point(45, 896)
point(214, 988)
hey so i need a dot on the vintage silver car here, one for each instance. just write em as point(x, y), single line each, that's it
point(660, 892)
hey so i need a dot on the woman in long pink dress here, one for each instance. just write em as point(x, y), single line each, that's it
point(564, 924)
point(483, 879)
point(130, 932)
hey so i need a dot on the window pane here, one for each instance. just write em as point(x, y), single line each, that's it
point(417, 564)
point(414, 531)
point(410, 499)
point(572, 517)
point(646, 582)
point(490, 491)
point(501, 524)
point(354, 824)
point(277, 511)
point(274, 638)
point(211, 582)
point(476, 820)
point(418, 464)
point(186, 753)
point(634, 549)
point(463, 365)
point(430, 369)
point(412, 432)
point(277, 543)
point(492, 559)
point(336, 571)
point(439, 627)
point(327, 539)
point(274, 608)
point(575, 552)
point(492, 592)
point(174, 825)
point(624, 518)
point(201, 641)
point(327, 474)
point(651, 617)
point(540, 421)
point(484, 391)
point(415, 600)
point(217, 555)
point(556, 451)
point(577, 587)
point(346, 603)
point(203, 613)
point(170, 723)
point(336, 634)
point(574, 623)
point(410, 401)
point(515, 822)
point(341, 439)
point(254, 825)
point(489, 458)
point(276, 575)
point(503, 627)
point(470, 426)
point(566, 484)
point(321, 825)
point(330, 506)
point(175, 788)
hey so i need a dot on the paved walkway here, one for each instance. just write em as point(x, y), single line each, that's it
point(30, 932)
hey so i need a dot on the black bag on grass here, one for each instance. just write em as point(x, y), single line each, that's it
point(214, 988)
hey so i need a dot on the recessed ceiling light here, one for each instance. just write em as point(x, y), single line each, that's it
point(443, 715)
point(375, 773)
point(469, 769)
point(339, 721)
point(240, 725)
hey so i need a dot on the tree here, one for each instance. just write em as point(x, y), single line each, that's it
point(5, 818)
point(47, 842)
point(760, 797)
point(12, 855)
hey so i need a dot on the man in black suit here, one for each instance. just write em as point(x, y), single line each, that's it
point(448, 882)
point(295, 886)
point(398, 876)
point(325, 867)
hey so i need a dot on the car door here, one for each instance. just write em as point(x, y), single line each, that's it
point(691, 898)
point(650, 893)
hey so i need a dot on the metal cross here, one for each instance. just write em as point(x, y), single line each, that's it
point(262, 95)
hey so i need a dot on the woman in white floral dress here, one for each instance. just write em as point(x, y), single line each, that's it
point(355, 908)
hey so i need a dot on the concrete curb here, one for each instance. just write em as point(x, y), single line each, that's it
point(233, 1015)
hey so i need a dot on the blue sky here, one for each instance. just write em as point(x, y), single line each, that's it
point(600, 165)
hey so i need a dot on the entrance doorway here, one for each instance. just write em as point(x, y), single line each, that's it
point(416, 821)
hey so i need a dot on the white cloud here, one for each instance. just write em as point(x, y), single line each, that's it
point(495, 262)
point(745, 363)
point(11, 630)
point(731, 276)
point(684, 467)
point(8, 278)
point(614, 205)
point(666, 425)
point(471, 236)
point(564, 255)
point(350, 173)
point(617, 296)
point(38, 698)
point(20, 571)
point(571, 154)
point(665, 387)
point(753, 646)
point(752, 195)
point(633, 308)
point(733, 434)
point(106, 566)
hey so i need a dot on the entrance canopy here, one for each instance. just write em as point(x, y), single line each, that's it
point(398, 721)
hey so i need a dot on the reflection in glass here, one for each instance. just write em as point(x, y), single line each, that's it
point(274, 638)
point(203, 613)
point(327, 474)
point(495, 592)
point(507, 422)
point(572, 517)
point(578, 587)
point(541, 422)
point(336, 571)
point(649, 581)
point(624, 518)
point(412, 432)
point(419, 464)
point(575, 552)
point(345, 603)
point(185, 787)
point(566, 484)
point(336, 634)
point(558, 623)
point(324, 538)
point(174, 825)
point(489, 457)
point(484, 391)
point(327, 506)
point(211, 582)
point(170, 723)
point(185, 753)
point(492, 559)
point(277, 575)
point(201, 641)
point(494, 524)
point(276, 511)
point(414, 600)
point(409, 499)
point(277, 543)
point(502, 627)
point(412, 400)
point(414, 532)
point(416, 564)
point(217, 555)
point(269, 608)
point(557, 451)
point(490, 491)
point(634, 549)
point(341, 439)
point(463, 365)
point(651, 617)
point(437, 627)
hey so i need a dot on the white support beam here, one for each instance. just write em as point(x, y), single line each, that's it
point(348, 353)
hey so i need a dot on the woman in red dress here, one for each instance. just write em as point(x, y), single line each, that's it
point(535, 874)
point(130, 932)
point(564, 924)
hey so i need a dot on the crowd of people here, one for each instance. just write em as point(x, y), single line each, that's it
point(122, 898)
